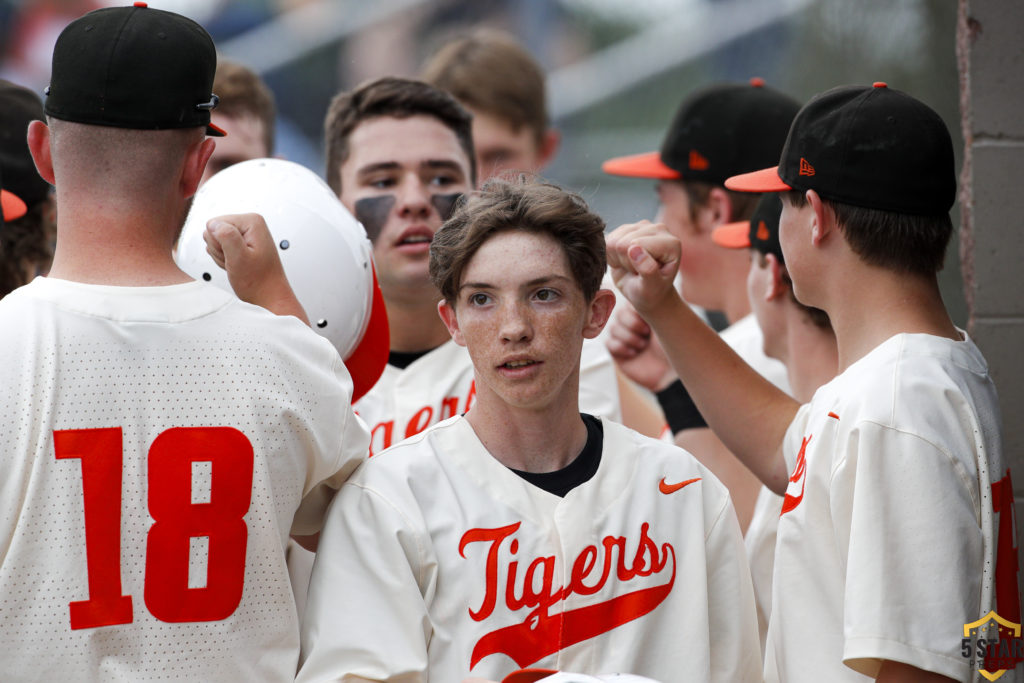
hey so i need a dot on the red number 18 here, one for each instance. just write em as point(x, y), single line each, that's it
point(177, 520)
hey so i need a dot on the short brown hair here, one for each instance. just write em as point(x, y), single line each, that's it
point(489, 71)
point(901, 242)
point(396, 97)
point(524, 204)
point(242, 92)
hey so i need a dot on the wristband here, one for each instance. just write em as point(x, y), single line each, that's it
point(680, 411)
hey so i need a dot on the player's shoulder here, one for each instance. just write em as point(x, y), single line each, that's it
point(652, 460)
point(415, 455)
point(907, 374)
point(412, 475)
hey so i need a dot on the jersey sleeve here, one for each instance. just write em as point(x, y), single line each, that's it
point(906, 522)
point(732, 619)
point(366, 614)
point(351, 439)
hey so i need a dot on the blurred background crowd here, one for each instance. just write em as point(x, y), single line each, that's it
point(616, 71)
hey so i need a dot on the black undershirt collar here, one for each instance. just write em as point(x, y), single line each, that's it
point(582, 469)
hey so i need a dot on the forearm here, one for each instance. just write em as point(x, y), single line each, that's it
point(748, 413)
point(284, 302)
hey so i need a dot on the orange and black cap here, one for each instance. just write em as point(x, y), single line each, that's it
point(761, 232)
point(134, 67)
point(873, 147)
point(11, 206)
point(718, 131)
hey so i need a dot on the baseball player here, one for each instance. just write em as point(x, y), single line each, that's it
point(896, 529)
point(527, 534)
point(399, 155)
point(502, 86)
point(799, 336)
point(718, 131)
point(159, 439)
point(27, 225)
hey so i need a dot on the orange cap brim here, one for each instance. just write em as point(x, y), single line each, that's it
point(528, 675)
point(11, 205)
point(647, 165)
point(367, 362)
point(765, 180)
point(215, 131)
point(732, 235)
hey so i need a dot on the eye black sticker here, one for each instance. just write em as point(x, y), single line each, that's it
point(373, 213)
point(445, 204)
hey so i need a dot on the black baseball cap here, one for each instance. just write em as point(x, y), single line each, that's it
point(134, 67)
point(873, 147)
point(761, 232)
point(718, 131)
point(18, 107)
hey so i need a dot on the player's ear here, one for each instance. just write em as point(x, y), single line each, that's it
point(549, 145)
point(39, 148)
point(195, 163)
point(720, 206)
point(451, 321)
point(599, 312)
point(824, 222)
point(779, 277)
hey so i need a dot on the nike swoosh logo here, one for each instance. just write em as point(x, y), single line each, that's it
point(667, 488)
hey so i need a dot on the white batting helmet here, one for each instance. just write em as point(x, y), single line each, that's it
point(323, 248)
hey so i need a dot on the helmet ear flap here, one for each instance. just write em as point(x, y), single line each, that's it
point(326, 255)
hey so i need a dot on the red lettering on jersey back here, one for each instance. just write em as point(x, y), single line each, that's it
point(100, 453)
point(791, 500)
point(541, 633)
point(176, 521)
point(1007, 567)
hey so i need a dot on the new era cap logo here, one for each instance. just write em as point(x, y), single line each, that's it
point(697, 161)
point(762, 231)
point(805, 168)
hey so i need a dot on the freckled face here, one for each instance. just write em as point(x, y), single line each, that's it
point(522, 317)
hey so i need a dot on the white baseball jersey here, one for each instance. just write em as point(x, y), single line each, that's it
point(886, 544)
point(746, 339)
point(436, 386)
point(440, 384)
point(157, 447)
point(437, 562)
